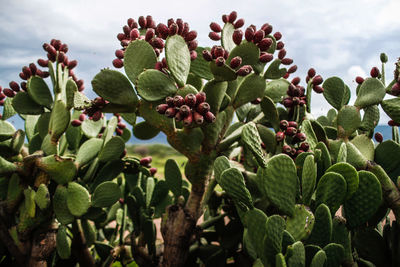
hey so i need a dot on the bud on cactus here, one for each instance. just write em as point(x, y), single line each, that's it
point(383, 57)
point(237, 36)
point(280, 136)
point(187, 121)
point(192, 45)
point(378, 137)
point(220, 61)
point(287, 102)
point(214, 36)
point(173, 29)
point(170, 112)
point(184, 110)
point(178, 101)
point(209, 117)
point(82, 117)
point(280, 45)
point(153, 171)
point(232, 16)
point(207, 55)
point(290, 131)
point(43, 62)
point(170, 101)
point(317, 80)
point(359, 80)
point(311, 72)
point(190, 100)
point(198, 118)
point(244, 70)
point(249, 34)
point(286, 61)
point(134, 34)
point(235, 62)
point(391, 123)
point(374, 72)
point(14, 86)
point(203, 108)
point(118, 63)
point(266, 57)
point(304, 146)
point(301, 137)
point(215, 27)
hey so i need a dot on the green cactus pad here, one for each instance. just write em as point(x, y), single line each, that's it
point(42, 197)
point(270, 112)
point(331, 190)
point(371, 246)
point(39, 91)
point(250, 88)
point(49, 147)
point(88, 151)
point(106, 194)
point(392, 108)
point(6, 130)
point(354, 156)
point(334, 255)
point(35, 144)
point(24, 104)
point(252, 140)
point(178, 58)
point(365, 145)
point(78, 200)
point(319, 259)
point(154, 85)
point(301, 223)
point(173, 177)
point(387, 154)
point(145, 131)
point(6, 166)
point(348, 120)
point(60, 207)
point(335, 92)
point(280, 182)
point(63, 243)
point(342, 154)
point(349, 173)
point(159, 193)
point(199, 66)
point(364, 202)
point(232, 181)
point(273, 238)
point(110, 129)
point(70, 90)
point(248, 52)
point(60, 170)
point(89, 232)
point(256, 222)
point(29, 202)
point(308, 179)
point(8, 110)
point(311, 250)
point(226, 37)
point(319, 131)
point(324, 161)
point(42, 125)
point(59, 120)
point(298, 258)
point(149, 190)
point(371, 92)
point(91, 128)
point(138, 56)
point(115, 87)
point(274, 71)
point(322, 231)
point(112, 150)
point(307, 128)
point(331, 132)
point(341, 235)
point(370, 119)
point(267, 137)
point(30, 123)
point(276, 89)
point(220, 165)
point(215, 91)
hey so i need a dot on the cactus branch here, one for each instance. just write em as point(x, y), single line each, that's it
point(79, 246)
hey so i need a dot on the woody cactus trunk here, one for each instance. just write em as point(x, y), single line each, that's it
point(267, 177)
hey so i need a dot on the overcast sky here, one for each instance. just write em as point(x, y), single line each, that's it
point(338, 38)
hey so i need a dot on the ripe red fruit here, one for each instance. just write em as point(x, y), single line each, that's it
point(286, 149)
point(200, 97)
point(76, 123)
point(374, 72)
point(292, 69)
point(184, 110)
point(287, 102)
point(301, 137)
point(121, 125)
point(249, 34)
point(73, 63)
point(258, 36)
point(187, 121)
point(217, 51)
point(178, 116)
point(149, 22)
point(51, 50)
point(265, 44)
point(239, 23)
point(207, 55)
point(149, 34)
point(82, 117)
point(142, 21)
point(244, 70)
point(162, 30)
point(266, 57)
point(178, 101)
point(120, 37)
point(97, 115)
point(282, 54)
point(8, 92)
point(170, 101)
point(170, 112)
point(220, 61)
point(190, 36)
point(173, 29)
point(232, 17)
point(311, 72)
point(33, 68)
point(43, 62)
point(318, 89)
point(317, 80)
point(280, 136)
point(179, 22)
point(214, 36)
point(278, 36)
point(279, 45)
point(290, 131)
point(286, 61)
point(162, 108)
point(153, 171)
point(192, 45)
point(131, 22)
point(235, 62)
point(293, 124)
point(14, 86)
point(359, 80)
point(2, 96)
point(391, 123)
point(203, 108)
point(119, 131)
point(23, 84)
point(283, 124)
point(304, 146)
point(118, 63)
point(118, 53)
point(225, 18)
point(296, 80)
point(198, 118)
point(134, 34)
point(378, 137)
point(237, 36)
point(146, 161)
point(215, 27)
point(209, 117)
point(396, 89)
point(190, 100)
point(157, 43)
point(267, 28)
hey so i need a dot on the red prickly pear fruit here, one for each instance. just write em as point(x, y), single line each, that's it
point(119, 131)
point(374, 72)
point(61, 56)
point(256, 101)
point(396, 89)
point(287, 74)
point(258, 36)
point(121, 125)
point(280, 45)
point(146, 161)
point(125, 43)
point(126, 30)
point(170, 112)
point(318, 89)
point(193, 55)
point(162, 108)
point(207, 55)
point(215, 27)
point(286, 61)
point(283, 124)
point(359, 80)
point(267, 28)
point(153, 171)
point(282, 54)
point(190, 100)
point(280, 136)
point(390, 122)
point(76, 123)
point(43, 62)
point(123, 155)
point(287, 102)
point(51, 50)
point(97, 115)
point(158, 66)
point(27, 71)
point(200, 97)
point(299, 151)
point(190, 36)
point(157, 43)
point(214, 36)
point(286, 149)
point(278, 36)
point(23, 85)
point(184, 110)
point(188, 120)
point(198, 118)
point(130, 22)
point(237, 36)
point(317, 80)
point(2, 96)
point(79, 83)
point(118, 63)
point(203, 108)
point(266, 57)
point(265, 44)
point(178, 116)
point(14, 86)
point(142, 22)
point(232, 17)
point(304, 146)
point(302, 103)
point(225, 18)
point(292, 69)
point(173, 29)
point(209, 117)
point(378, 137)
point(121, 36)
point(290, 131)
point(57, 44)
point(33, 68)
point(45, 74)
point(239, 23)
point(244, 70)
point(301, 137)
point(162, 30)
point(73, 63)
point(8, 92)
point(170, 101)
point(170, 21)
point(179, 22)
point(149, 34)
point(192, 45)
point(82, 117)
point(311, 72)
point(118, 53)
point(293, 124)
point(296, 80)
point(220, 61)
point(218, 51)
point(249, 34)
point(235, 62)
point(134, 34)
point(149, 21)
point(1, 104)
point(178, 101)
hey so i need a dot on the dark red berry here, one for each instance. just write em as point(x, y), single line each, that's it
point(278, 36)
point(152, 171)
point(203, 108)
point(134, 34)
point(209, 117)
point(170, 101)
point(192, 45)
point(149, 34)
point(359, 80)
point(317, 80)
point(239, 23)
point(146, 161)
point(190, 36)
point(296, 80)
point(290, 131)
point(237, 36)
point(235, 62)
point(311, 72)
point(97, 115)
point(266, 57)
point(391, 123)
point(76, 123)
point(33, 68)
point(119, 131)
point(378, 137)
point(8, 92)
point(258, 36)
point(214, 36)
point(249, 34)
point(225, 18)
point(220, 61)
point(142, 21)
point(187, 121)
point(280, 45)
point(219, 51)
point(173, 29)
point(121, 125)
point(190, 100)
point(286, 149)
point(2, 96)
point(287, 102)
point(178, 116)
point(292, 69)
point(170, 112)
point(72, 64)
point(200, 97)
point(178, 101)
point(184, 110)
point(118, 53)
point(198, 118)
point(244, 70)
point(82, 117)
point(280, 136)
point(162, 108)
point(162, 30)
point(14, 86)
point(265, 44)
point(304, 146)
point(293, 124)
point(207, 55)
point(43, 62)
point(374, 72)
point(286, 61)
point(267, 28)
point(118, 63)
point(396, 89)
point(318, 89)
point(283, 124)
point(300, 137)
point(215, 27)
point(232, 16)
point(282, 54)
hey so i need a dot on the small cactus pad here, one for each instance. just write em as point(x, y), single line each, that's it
point(370, 118)
point(348, 120)
point(112, 150)
point(298, 258)
point(341, 235)
point(334, 254)
point(308, 179)
point(392, 108)
point(78, 199)
point(232, 182)
point(273, 237)
point(88, 151)
point(60, 206)
point(349, 173)
point(322, 231)
point(252, 140)
point(301, 223)
point(138, 56)
point(256, 223)
point(335, 92)
point(274, 71)
point(178, 58)
point(371, 92)
point(319, 259)
point(252, 87)
point(276, 89)
point(145, 131)
point(106, 194)
point(63, 243)
point(173, 177)
point(39, 91)
point(331, 190)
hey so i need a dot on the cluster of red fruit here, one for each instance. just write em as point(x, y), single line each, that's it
point(145, 162)
point(295, 138)
point(120, 125)
point(154, 35)
point(216, 28)
point(191, 108)
point(375, 73)
point(396, 87)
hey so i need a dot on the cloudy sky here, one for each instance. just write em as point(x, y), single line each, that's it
point(338, 38)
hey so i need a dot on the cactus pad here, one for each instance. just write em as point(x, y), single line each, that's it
point(63, 243)
point(334, 254)
point(276, 89)
point(273, 238)
point(348, 120)
point(371, 92)
point(106, 194)
point(256, 222)
point(39, 91)
point(301, 223)
point(232, 182)
point(322, 231)
point(308, 179)
point(335, 92)
point(60, 207)
point(178, 58)
point(252, 140)
point(250, 88)
point(78, 200)
point(298, 258)
point(139, 56)
point(331, 190)
point(349, 173)
point(173, 177)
